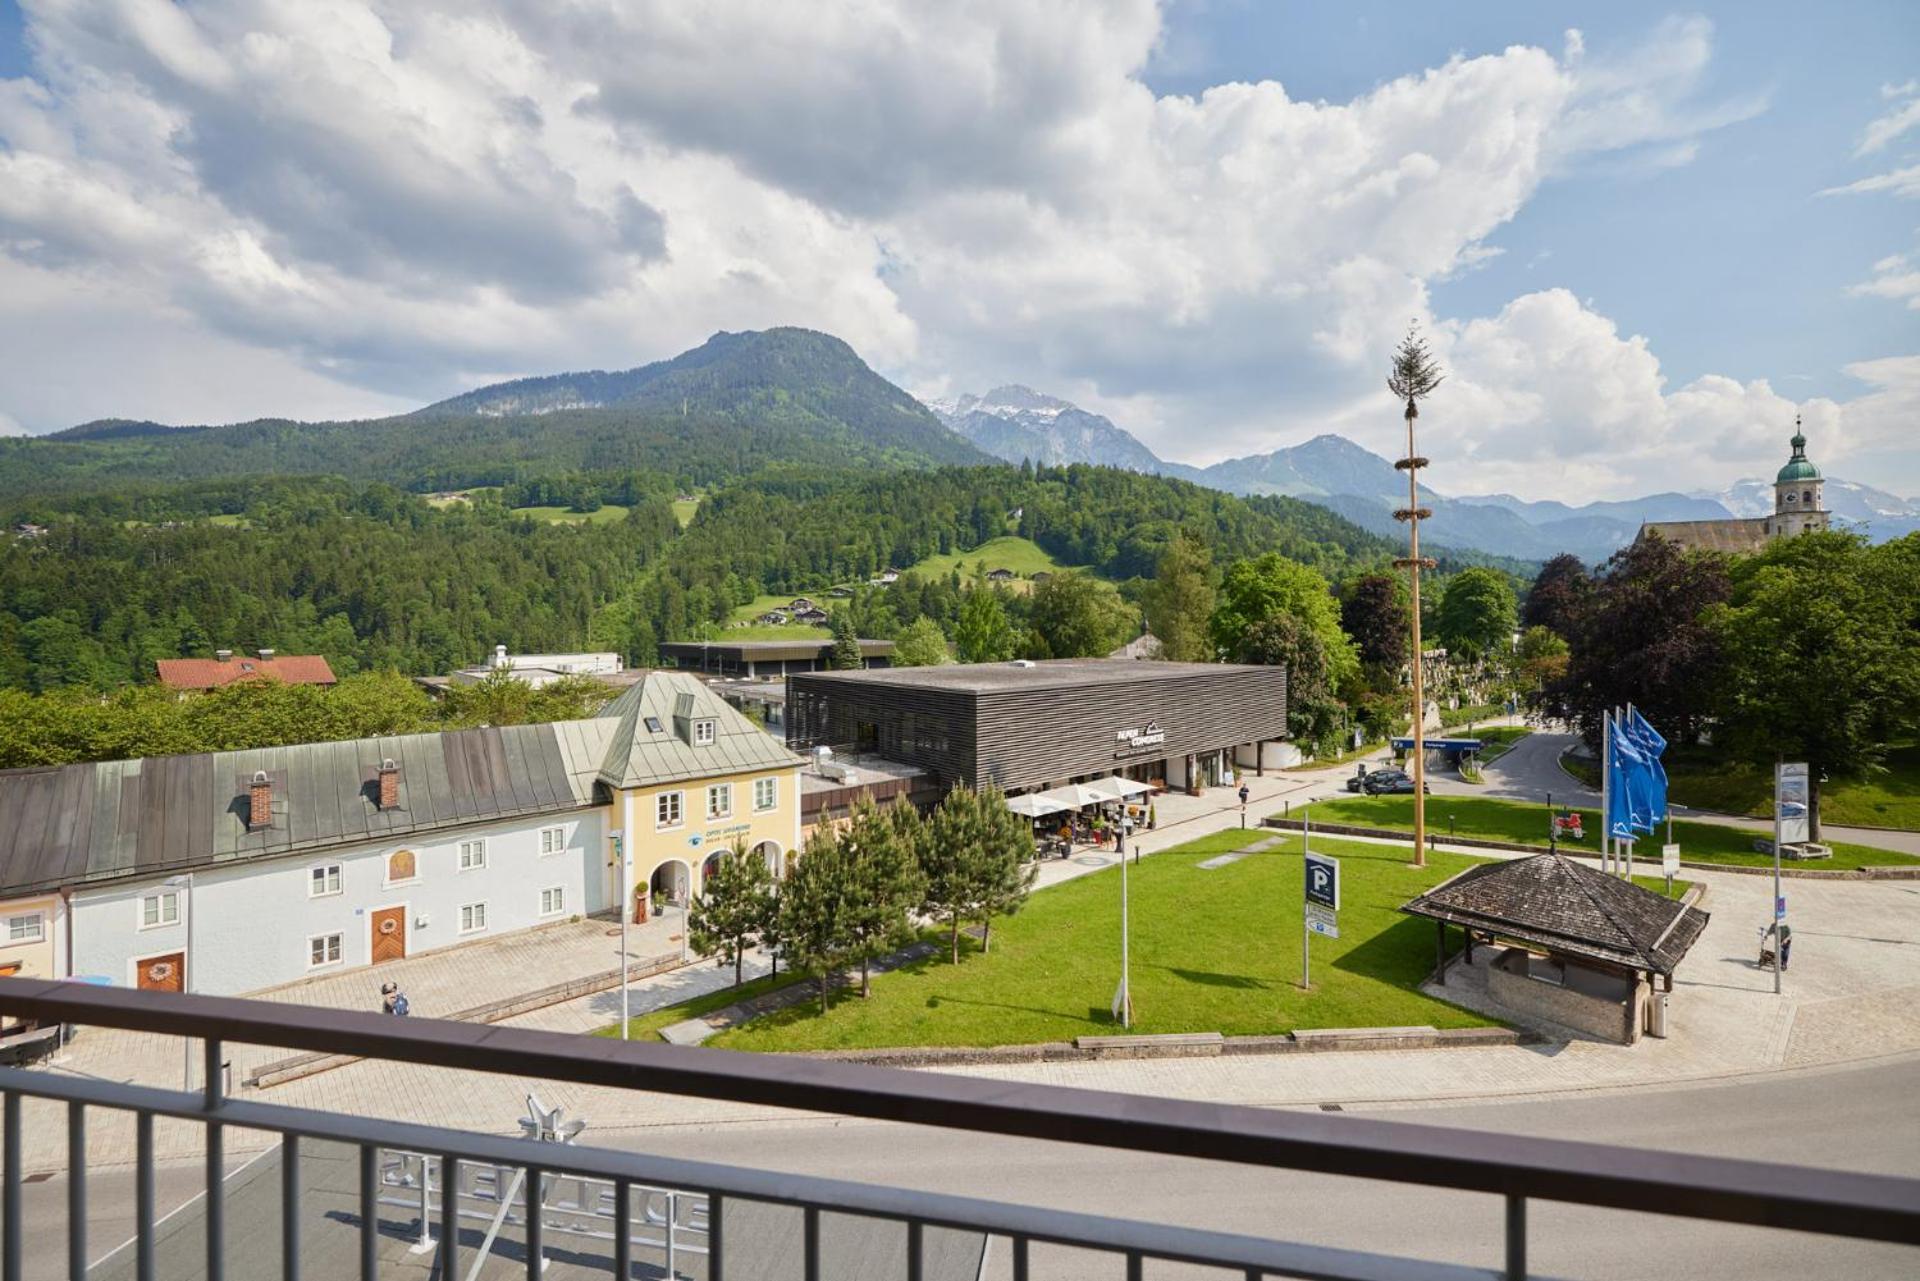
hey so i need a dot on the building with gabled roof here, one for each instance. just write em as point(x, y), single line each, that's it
point(1798, 508)
point(303, 858)
point(225, 668)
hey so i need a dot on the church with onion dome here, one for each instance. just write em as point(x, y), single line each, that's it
point(1798, 507)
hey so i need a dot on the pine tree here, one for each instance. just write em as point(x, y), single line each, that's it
point(886, 886)
point(846, 644)
point(948, 855)
point(1179, 600)
point(816, 910)
point(732, 908)
point(1005, 867)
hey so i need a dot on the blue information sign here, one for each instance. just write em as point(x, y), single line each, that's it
point(1323, 881)
point(1780, 909)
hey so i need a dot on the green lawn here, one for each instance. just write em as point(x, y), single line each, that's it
point(683, 509)
point(606, 515)
point(1021, 555)
point(1497, 820)
point(1702, 780)
point(647, 1026)
point(1212, 950)
point(232, 520)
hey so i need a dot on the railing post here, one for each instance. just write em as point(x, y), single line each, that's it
point(76, 1189)
point(449, 1216)
point(810, 1218)
point(369, 1214)
point(915, 1253)
point(143, 1196)
point(10, 1266)
point(622, 1230)
point(536, 1198)
point(1516, 1238)
point(716, 1268)
point(216, 1169)
point(289, 1207)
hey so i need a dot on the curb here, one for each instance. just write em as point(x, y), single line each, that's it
point(1183, 1046)
point(1893, 873)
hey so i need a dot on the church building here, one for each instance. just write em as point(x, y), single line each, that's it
point(1798, 507)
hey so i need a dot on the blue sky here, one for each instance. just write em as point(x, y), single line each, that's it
point(1209, 220)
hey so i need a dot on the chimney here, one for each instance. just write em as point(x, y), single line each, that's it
point(266, 655)
point(259, 802)
point(500, 657)
point(223, 655)
point(389, 785)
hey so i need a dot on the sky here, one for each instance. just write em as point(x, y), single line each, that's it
point(1639, 247)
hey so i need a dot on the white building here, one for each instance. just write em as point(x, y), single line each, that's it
point(229, 872)
point(539, 669)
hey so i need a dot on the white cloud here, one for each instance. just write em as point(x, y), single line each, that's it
point(1898, 182)
point(1896, 122)
point(365, 204)
point(1896, 277)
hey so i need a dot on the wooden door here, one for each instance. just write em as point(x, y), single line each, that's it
point(389, 934)
point(161, 973)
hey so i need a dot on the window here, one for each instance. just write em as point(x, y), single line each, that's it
point(1806, 496)
point(667, 810)
point(401, 866)
point(553, 901)
point(473, 918)
point(473, 854)
point(553, 840)
point(703, 733)
point(720, 800)
point(653, 725)
point(159, 909)
point(26, 929)
point(766, 793)
point(323, 880)
point(323, 949)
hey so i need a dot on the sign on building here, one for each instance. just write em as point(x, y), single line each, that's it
point(1790, 802)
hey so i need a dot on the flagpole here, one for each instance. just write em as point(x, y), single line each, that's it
point(1606, 791)
point(1630, 839)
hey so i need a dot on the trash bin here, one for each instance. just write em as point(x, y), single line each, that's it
point(1657, 1014)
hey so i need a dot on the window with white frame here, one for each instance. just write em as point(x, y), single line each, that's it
point(703, 732)
point(766, 793)
point(159, 909)
point(30, 928)
point(553, 900)
point(473, 854)
point(323, 949)
point(720, 800)
point(667, 810)
point(473, 918)
point(323, 880)
point(553, 840)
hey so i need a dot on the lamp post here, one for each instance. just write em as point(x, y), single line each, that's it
point(1414, 375)
point(186, 971)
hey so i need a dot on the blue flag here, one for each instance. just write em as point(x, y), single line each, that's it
point(1654, 781)
point(1627, 775)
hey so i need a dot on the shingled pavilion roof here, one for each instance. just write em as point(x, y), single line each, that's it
point(1554, 903)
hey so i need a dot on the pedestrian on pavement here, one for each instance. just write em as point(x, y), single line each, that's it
point(394, 1001)
point(1244, 793)
point(1786, 944)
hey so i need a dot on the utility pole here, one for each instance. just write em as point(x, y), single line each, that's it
point(1414, 375)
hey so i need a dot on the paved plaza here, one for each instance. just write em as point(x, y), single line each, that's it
point(1853, 994)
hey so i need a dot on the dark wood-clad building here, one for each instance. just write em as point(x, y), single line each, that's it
point(764, 658)
point(1022, 725)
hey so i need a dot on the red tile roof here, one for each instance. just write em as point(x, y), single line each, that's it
point(211, 673)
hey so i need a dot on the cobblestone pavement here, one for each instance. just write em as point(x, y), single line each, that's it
point(1849, 996)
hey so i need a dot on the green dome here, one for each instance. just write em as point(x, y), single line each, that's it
point(1797, 468)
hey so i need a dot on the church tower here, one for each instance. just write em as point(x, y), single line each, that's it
point(1797, 501)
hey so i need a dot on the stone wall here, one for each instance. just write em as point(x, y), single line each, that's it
point(1588, 1001)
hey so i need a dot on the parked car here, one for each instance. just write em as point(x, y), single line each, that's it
point(1383, 782)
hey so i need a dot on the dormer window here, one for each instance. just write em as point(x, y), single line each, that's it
point(703, 732)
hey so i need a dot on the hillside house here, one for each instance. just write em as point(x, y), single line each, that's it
point(224, 668)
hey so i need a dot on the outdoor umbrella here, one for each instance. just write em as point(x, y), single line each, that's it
point(1077, 795)
point(1034, 806)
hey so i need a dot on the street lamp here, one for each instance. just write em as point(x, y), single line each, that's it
point(186, 970)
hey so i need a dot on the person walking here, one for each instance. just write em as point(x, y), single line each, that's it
point(394, 1001)
point(1786, 944)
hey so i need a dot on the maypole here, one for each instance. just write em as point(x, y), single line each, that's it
point(1414, 375)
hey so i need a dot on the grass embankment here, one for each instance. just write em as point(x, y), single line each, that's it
point(1700, 779)
point(1022, 556)
point(683, 510)
point(1212, 950)
point(605, 515)
point(1454, 717)
point(1496, 820)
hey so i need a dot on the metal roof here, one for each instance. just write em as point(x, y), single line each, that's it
point(1052, 673)
point(1561, 906)
point(639, 756)
point(1737, 536)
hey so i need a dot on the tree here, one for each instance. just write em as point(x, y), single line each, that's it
point(1374, 612)
point(1541, 657)
point(816, 910)
point(1557, 592)
point(1822, 644)
point(732, 908)
point(886, 885)
point(1270, 585)
point(1642, 636)
point(1179, 600)
point(1284, 640)
point(983, 634)
point(846, 644)
point(1005, 868)
point(922, 644)
point(1477, 613)
point(948, 854)
point(1074, 615)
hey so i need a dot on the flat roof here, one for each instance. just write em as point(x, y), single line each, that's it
point(1051, 673)
point(771, 648)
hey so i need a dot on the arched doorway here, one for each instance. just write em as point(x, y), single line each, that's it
point(776, 861)
point(711, 866)
point(669, 883)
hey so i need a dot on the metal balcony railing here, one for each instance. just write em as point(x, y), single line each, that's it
point(543, 1189)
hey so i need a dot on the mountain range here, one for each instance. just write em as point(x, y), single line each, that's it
point(1016, 423)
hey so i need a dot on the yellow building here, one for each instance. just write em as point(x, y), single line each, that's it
point(31, 930)
point(689, 776)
